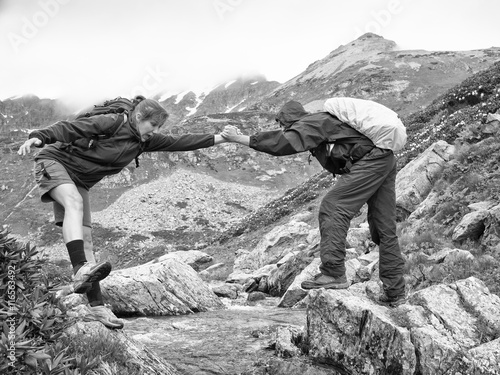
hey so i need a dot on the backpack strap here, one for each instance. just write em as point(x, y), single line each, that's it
point(121, 119)
point(350, 160)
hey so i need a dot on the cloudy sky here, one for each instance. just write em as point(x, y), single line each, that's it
point(88, 50)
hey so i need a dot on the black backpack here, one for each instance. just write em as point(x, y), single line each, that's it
point(338, 157)
point(121, 106)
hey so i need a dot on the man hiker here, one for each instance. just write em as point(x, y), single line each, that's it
point(371, 180)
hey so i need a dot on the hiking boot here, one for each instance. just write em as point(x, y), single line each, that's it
point(104, 315)
point(88, 274)
point(392, 301)
point(327, 282)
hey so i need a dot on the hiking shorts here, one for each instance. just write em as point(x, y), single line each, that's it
point(50, 174)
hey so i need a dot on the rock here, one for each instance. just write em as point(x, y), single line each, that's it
point(471, 226)
point(491, 234)
point(280, 279)
point(350, 253)
point(285, 339)
point(450, 328)
point(212, 270)
point(286, 258)
point(167, 288)
point(357, 335)
point(226, 291)
point(415, 180)
point(273, 246)
point(255, 276)
point(448, 255)
point(356, 237)
point(485, 305)
point(483, 359)
point(426, 208)
point(238, 277)
point(449, 320)
point(366, 259)
point(250, 285)
point(481, 206)
point(256, 296)
point(302, 216)
point(141, 359)
point(294, 293)
point(298, 366)
point(194, 258)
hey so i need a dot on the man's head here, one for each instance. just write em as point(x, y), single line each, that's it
point(290, 113)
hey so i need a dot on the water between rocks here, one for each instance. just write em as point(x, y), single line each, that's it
point(233, 341)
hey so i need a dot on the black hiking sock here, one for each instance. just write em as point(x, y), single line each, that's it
point(76, 254)
point(94, 295)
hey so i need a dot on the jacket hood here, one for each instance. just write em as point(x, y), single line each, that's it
point(290, 113)
point(133, 128)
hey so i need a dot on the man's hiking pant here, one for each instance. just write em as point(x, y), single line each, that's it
point(372, 180)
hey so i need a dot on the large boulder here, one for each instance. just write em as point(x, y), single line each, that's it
point(416, 179)
point(351, 332)
point(170, 287)
point(442, 329)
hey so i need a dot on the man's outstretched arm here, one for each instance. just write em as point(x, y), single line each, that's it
point(271, 142)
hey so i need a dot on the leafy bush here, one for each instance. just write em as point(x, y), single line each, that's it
point(98, 352)
point(31, 320)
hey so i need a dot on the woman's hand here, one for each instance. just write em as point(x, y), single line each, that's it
point(230, 133)
point(26, 146)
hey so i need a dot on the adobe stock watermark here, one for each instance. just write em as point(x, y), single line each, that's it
point(151, 82)
point(11, 320)
point(223, 6)
point(30, 26)
point(381, 18)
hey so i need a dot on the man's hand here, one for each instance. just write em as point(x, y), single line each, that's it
point(230, 132)
point(26, 146)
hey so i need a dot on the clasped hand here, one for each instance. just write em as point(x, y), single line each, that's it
point(230, 132)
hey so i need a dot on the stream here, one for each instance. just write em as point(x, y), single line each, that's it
point(233, 341)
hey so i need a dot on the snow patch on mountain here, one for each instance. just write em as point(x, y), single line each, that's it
point(234, 106)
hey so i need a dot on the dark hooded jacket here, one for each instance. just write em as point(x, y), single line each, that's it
point(303, 131)
point(87, 166)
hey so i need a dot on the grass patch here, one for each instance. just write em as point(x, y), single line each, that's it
point(100, 351)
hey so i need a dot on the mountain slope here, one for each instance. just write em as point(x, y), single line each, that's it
point(231, 96)
point(372, 67)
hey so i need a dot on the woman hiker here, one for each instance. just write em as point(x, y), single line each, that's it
point(75, 156)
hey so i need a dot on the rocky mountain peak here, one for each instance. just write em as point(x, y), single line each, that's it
point(367, 47)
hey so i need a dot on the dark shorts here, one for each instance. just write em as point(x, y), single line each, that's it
point(50, 174)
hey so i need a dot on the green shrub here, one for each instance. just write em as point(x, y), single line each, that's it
point(100, 353)
point(31, 320)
